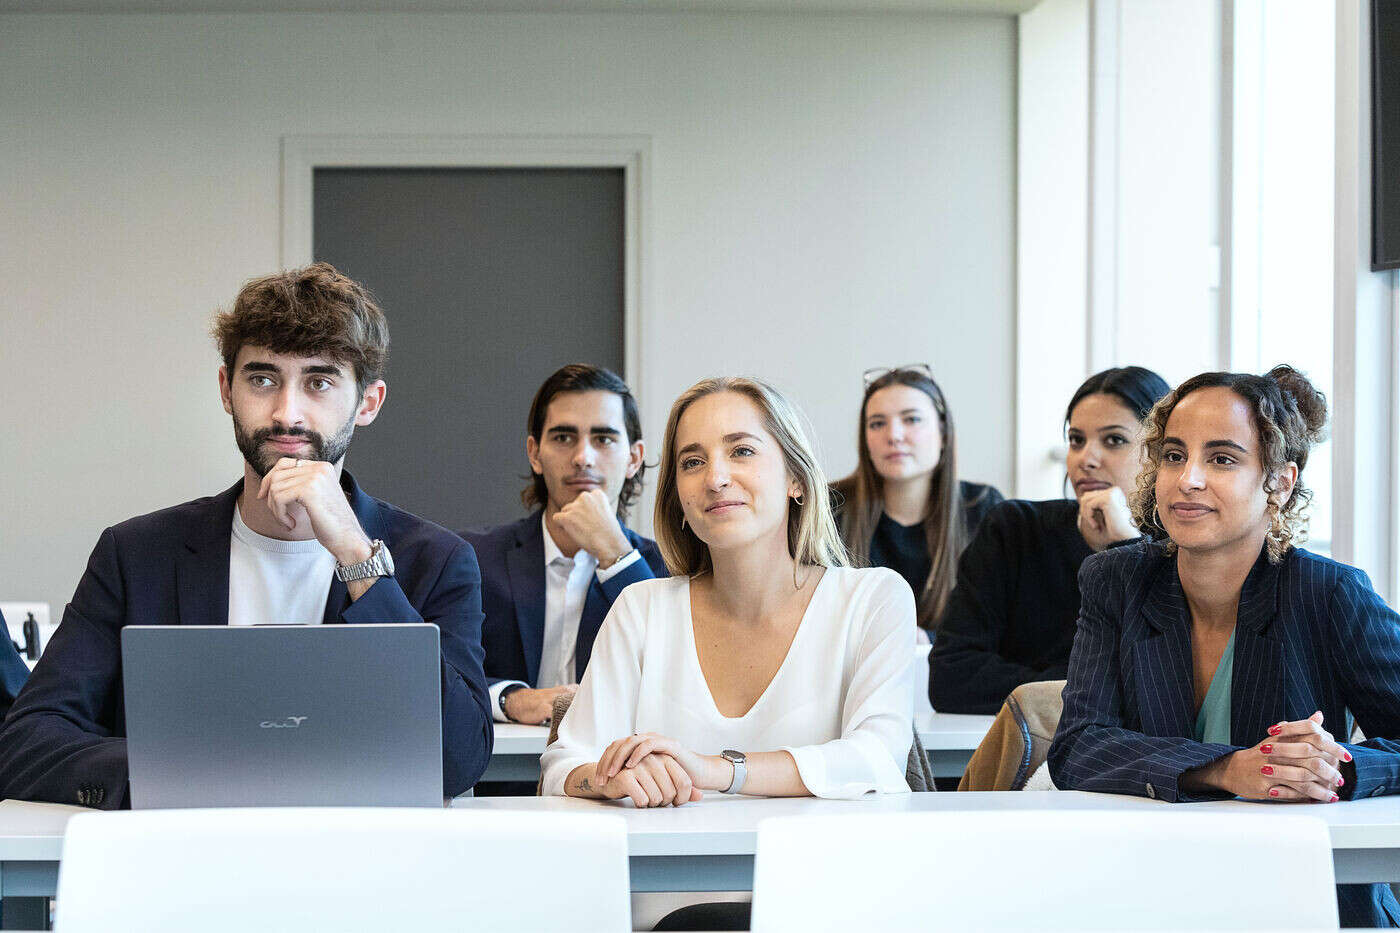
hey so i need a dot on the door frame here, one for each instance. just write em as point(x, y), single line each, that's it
point(303, 154)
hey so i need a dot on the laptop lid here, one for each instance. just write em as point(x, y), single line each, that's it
point(295, 715)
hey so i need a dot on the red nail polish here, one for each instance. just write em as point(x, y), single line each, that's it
point(1266, 770)
point(1348, 755)
point(1341, 781)
point(1275, 730)
point(1267, 749)
point(1334, 799)
point(1273, 792)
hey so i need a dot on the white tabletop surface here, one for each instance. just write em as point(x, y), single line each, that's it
point(938, 732)
point(513, 738)
point(722, 825)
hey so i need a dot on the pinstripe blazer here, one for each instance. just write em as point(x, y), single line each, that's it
point(1311, 635)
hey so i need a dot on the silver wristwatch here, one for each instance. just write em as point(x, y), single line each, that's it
point(741, 770)
point(380, 564)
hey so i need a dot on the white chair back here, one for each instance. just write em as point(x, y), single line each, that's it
point(1043, 870)
point(305, 869)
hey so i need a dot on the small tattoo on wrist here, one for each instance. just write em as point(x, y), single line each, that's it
point(584, 785)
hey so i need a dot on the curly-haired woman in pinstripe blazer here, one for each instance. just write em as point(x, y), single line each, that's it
point(1214, 663)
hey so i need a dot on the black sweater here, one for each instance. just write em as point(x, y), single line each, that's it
point(1011, 618)
point(904, 548)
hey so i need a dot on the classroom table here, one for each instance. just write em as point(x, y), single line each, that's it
point(949, 739)
point(709, 845)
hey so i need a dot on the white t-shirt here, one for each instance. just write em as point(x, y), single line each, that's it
point(840, 703)
point(273, 582)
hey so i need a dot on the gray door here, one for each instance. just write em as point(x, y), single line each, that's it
point(491, 279)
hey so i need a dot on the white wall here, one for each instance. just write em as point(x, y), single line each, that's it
point(1168, 188)
point(1365, 407)
point(1052, 233)
point(1120, 212)
point(827, 194)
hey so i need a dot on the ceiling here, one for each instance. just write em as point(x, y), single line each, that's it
point(990, 7)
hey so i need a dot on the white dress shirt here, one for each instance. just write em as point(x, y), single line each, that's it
point(840, 704)
point(566, 582)
point(276, 582)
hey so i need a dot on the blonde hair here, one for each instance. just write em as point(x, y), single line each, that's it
point(811, 530)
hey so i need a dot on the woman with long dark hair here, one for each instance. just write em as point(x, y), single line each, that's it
point(1216, 662)
point(904, 506)
point(1010, 619)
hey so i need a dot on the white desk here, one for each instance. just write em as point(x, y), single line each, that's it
point(515, 755)
point(948, 738)
point(709, 846)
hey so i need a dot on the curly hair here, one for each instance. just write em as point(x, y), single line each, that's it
point(1290, 415)
point(313, 311)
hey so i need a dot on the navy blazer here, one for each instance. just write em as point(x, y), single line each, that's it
point(1311, 635)
point(513, 592)
point(64, 739)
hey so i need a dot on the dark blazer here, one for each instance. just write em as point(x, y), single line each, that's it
point(1010, 618)
point(1311, 635)
point(64, 739)
point(512, 595)
point(13, 670)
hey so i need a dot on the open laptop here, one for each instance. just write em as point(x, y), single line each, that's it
point(283, 715)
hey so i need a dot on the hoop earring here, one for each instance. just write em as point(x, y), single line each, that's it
point(797, 500)
point(1157, 521)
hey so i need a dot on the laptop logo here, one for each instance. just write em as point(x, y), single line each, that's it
point(291, 722)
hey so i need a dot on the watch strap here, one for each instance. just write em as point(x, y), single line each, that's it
point(505, 692)
point(379, 564)
point(741, 770)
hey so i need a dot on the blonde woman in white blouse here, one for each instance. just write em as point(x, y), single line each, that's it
point(765, 665)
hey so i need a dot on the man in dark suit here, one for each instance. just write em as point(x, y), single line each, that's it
point(294, 541)
point(549, 579)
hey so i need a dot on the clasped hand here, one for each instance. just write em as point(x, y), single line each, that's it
point(655, 771)
point(1297, 761)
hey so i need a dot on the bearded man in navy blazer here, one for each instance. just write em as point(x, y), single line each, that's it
point(549, 579)
point(295, 540)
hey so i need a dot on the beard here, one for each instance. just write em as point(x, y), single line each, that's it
point(329, 449)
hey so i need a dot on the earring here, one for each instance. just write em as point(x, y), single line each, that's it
point(797, 499)
point(682, 522)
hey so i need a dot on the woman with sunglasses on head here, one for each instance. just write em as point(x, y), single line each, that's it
point(1010, 619)
point(904, 507)
point(1217, 662)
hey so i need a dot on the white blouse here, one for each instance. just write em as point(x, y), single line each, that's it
point(840, 704)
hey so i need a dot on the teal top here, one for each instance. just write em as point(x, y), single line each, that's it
point(1213, 721)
